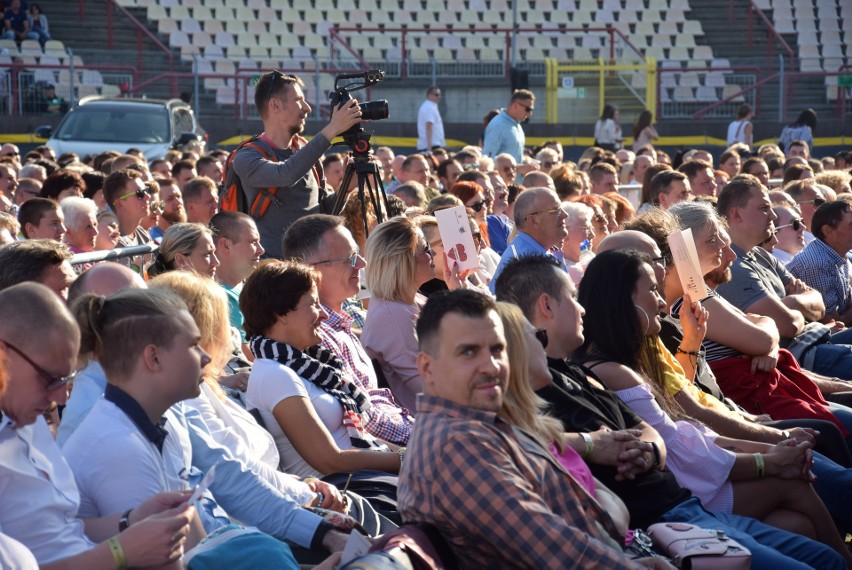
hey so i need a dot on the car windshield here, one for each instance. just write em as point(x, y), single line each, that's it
point(105, 124)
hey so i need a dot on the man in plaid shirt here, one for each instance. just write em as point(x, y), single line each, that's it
point(323, 242)
point(492, 491)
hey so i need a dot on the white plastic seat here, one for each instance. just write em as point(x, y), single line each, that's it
point(683, 94)
point(706, 94)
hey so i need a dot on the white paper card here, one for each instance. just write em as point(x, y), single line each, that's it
point(357, 545)
point(688, 267)
point(454, 228)
point(205, 483)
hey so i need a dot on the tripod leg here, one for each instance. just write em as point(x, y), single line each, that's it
point(363, 200)
point(340, 199)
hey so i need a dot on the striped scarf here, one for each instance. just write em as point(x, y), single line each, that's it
point(321, 368)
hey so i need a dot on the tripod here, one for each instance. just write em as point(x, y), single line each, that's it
point(370, 186)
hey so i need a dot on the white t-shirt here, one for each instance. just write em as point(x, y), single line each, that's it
point(117, 467)
point(15, 555)
point(429, 113)
point(38, 494)
point(271, 383)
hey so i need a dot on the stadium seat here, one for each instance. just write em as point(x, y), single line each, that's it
point(54, 47)
point(706, 94)
point(683, 94)
point(30, 47)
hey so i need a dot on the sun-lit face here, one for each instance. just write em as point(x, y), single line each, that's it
point(647, 300)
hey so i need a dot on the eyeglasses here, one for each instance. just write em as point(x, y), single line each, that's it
point(53, 382)
point(555, 210)
point(158, 206)
point(795, 224)
point(140, 193)
point(478, 206)
point(427, 249)
point(587, 229)
point(541, 336)
point(817, 202)
point(352, 260)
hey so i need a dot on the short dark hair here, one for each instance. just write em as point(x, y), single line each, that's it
point(410, 160)
point(465, 302)
point(828, 214)
point(661, 182)
point(525, 278)
point(61, 180)
point(303, 238)
point(658, 224)
point(204, 161)
point(195, 187)
point(182, 165)
point(27, 260)
point(522, 95)
point(115, 183)
point(33, 210)
point(442, 168)
point(692, 167)
point(273, 288)
point(228, 224)
point(752, 161)
point(278, 81)
point(601, 169)
point(737, 193)
point(94, 181)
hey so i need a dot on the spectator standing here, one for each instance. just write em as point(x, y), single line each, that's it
point(504, 132)
point(644, 133)
point(607, 130)
point(16, 25)
point(38, 24)
point(430, 126)
point(802, 129)
point(295, 176)
point(740, 130)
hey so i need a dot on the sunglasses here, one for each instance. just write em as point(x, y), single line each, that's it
point(158, 206)
point(352, 260)
point(528, 109)
point(53, 382)
point(795, 224)
point(140, 193)
point(817, 202)
point(541, 336)
point(478, 206)
point(427, 249)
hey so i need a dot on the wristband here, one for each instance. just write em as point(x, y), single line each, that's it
point(761, 466)
point(690, 353)
point(124, 521)
point(117, 553)
point(657, 458)
point(590, 445)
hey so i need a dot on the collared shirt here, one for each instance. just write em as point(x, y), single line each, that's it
point(522, 245)
point(155, 433)
point(498, 497)
point(235, 316)
point(753, 277)
point(38, 493)
point(504, 134)
point(429, 113)
point(89, 386)
point(388, 420)
point(825, 270)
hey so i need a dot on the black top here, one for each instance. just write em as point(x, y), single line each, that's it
point(156, 433)
point(582, 407)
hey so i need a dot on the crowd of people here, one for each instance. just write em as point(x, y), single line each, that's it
point(315, 372)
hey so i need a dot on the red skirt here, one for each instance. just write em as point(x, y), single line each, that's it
point(784, 393)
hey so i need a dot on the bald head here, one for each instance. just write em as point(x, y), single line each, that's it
point(630, 239)
point(31, 315)
point(540, 179)
point(106, 279)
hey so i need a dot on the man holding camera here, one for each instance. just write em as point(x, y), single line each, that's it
point(292, 182)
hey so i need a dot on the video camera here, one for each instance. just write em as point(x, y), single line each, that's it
point(370, 110)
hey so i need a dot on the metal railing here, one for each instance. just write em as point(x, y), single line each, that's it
point(113, 254)
point(705, 92)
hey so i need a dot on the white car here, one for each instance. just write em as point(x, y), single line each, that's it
point(98, 124)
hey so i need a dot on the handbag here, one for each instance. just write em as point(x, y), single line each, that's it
point(692, 547)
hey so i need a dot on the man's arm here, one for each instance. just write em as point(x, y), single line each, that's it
point(492, 140)
point(429, 134)
point(789, 321)
point(804, 299)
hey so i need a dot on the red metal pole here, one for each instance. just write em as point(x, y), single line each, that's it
point(403, 71)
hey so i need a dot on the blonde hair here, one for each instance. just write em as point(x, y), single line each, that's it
point(208, 305)
point(391, 259)
point(178, 239)
point(521, 406)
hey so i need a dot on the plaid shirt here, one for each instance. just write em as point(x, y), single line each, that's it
point(822, 268)
point(499, 498)
point(388, 420)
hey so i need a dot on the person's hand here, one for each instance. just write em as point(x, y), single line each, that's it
point(790, 460)
point(454, 278)
point(623, 450)
point(835, 326)
point(766, 363)
point(343, 118)
point(800, 435)
point(157, 504)
point(694, 323)
point(158, 539)
point(332, 497)
point(237, 381)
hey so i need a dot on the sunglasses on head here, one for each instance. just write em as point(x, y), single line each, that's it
point(795, 224)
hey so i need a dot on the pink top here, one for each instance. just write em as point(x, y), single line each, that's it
point(574, 464)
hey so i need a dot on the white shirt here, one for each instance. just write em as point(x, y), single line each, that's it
point(15, 555)
point(233, 427)
point(784, 257)
point(271, 383)
point(117, 467)
point(429, 113)
point(38, 495)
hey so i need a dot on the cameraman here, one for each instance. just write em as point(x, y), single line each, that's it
point(297, 173)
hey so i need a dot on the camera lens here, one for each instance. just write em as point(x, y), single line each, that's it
point(374, 110)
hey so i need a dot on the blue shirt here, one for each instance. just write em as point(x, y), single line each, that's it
point(504, 134)
point(89, 386)
point(523, 244)
point(498, 233)
point(825, 270)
